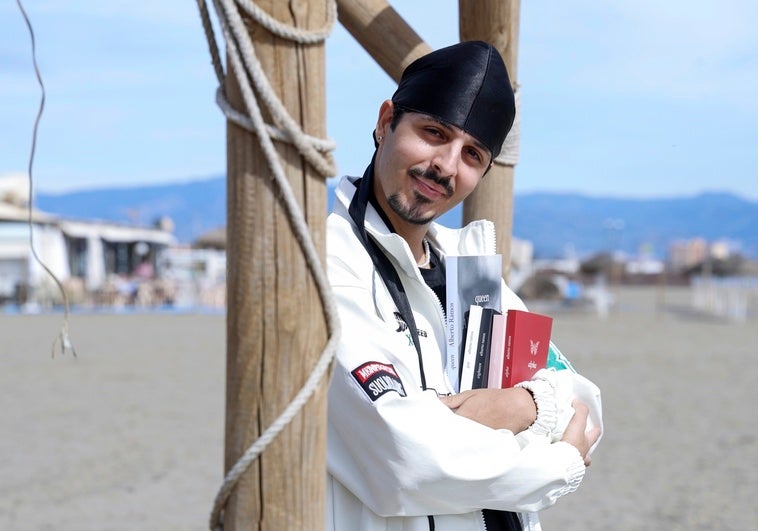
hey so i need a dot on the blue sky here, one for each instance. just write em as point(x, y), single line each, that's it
point(633, 98)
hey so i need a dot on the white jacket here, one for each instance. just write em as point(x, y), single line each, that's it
point(395, 453)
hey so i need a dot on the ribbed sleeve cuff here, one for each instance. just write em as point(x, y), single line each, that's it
point(547, 411)
point(575, 471)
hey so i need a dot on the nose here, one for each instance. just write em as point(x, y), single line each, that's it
point(446, 158)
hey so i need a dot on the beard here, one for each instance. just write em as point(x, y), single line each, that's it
point(411, 213)
point(412, 210)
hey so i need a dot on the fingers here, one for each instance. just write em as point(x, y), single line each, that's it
point(455, 401)
point(578, 423)
point(581, 409)
point(576, 432)
point(593, 435)
point(591, 438)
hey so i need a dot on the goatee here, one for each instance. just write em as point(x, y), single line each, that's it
point(412, 213)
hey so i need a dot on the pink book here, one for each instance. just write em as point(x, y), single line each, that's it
point(497, 351)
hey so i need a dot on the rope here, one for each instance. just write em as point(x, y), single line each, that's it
point(247, 69)
point(509, 155)
point(242, 52)
point(63, 338)
point(233, 115)
point(289, 32)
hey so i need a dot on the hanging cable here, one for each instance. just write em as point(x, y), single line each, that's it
point(63, 339)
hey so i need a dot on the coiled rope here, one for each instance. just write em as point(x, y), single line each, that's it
point(509, 155)
point(247, 69)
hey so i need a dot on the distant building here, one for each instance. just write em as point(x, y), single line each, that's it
point(198, 276)
point(522, 254)
point(644, 266)
point(86, 256)
point(684, 254)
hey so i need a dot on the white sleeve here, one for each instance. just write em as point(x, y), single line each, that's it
point(553, 392)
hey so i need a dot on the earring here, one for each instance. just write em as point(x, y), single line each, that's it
point(379, 139)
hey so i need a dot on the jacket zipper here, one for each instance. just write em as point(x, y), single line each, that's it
point(494, 240)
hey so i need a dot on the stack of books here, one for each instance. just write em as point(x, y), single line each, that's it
point(486, 346)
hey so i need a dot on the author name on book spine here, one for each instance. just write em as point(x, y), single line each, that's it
point(451, 324)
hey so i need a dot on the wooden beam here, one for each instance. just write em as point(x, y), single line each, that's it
point(496, 22)
point(383, 33)
point(275, 326)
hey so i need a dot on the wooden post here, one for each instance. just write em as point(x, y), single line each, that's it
point(275, 326)
point(383, 34)
point(496, 22)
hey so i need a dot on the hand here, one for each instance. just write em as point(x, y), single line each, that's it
point(576, 433)
point(513, 409)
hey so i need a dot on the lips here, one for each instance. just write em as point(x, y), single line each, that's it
point(429, 189)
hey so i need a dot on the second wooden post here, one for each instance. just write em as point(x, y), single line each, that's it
point(496, 22)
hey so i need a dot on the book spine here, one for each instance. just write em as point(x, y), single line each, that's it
point(483, 349)
point(468, 362)
point(508, 352)
point(497, 351)
point(453, 323)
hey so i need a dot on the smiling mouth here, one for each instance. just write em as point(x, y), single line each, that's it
point(429, 185)
point(427, 190)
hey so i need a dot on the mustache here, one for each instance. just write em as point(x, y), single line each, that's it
point(433, 176)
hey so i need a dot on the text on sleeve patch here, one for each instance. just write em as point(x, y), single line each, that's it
point(377, 378)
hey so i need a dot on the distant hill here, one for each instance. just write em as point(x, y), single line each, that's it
point(554, 222)
point(194, 206)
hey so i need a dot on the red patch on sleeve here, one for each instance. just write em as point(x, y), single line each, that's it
point(377, 378)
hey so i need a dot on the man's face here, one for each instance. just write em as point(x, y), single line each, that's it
point(424, 167)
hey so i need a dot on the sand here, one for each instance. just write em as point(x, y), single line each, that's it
point(681, 446)
point(129, 435)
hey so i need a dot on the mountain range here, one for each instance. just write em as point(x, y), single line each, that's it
point(556, 223)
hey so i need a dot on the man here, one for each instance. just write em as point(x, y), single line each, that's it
point(404, 451)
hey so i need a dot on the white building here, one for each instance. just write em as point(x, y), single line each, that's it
point(83, 255)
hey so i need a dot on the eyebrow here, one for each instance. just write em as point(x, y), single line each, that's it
point(449, 127)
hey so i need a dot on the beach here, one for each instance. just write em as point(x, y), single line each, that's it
point(129, 434)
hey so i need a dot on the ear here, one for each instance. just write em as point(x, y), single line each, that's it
point(386, 112)
point(488, 169)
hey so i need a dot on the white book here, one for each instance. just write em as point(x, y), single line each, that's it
point(470, 280)
point(470, 347)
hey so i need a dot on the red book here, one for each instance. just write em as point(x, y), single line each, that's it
point(527, 341)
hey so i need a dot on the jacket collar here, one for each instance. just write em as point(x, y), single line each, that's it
point(478, 237)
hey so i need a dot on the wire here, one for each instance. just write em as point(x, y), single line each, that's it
point(63, 337)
